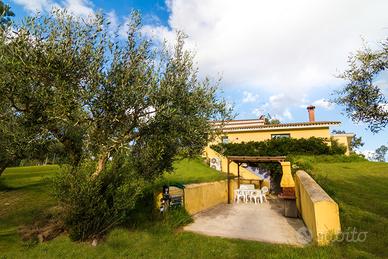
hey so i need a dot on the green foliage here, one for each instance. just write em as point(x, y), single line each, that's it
point(191, 171)
point(92, 207)
point(268, 119)
point(95, 95)
point(281, 147)
point(76, 82)
point(5, 15)
point(175, 218)
point(367, 212)
point(307, 162)
point(335, 148)
point(362, 98)
point(380, 153)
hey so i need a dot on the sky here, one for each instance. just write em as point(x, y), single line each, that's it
point(274, 57)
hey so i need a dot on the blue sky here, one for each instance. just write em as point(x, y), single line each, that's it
point(274, 57)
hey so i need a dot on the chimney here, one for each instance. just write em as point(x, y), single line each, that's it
point(311, 110)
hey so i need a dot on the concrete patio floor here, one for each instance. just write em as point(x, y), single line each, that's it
point(260, 222)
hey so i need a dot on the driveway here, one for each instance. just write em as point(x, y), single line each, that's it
point(261, 222)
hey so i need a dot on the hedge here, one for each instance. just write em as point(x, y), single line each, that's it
point(282, 147)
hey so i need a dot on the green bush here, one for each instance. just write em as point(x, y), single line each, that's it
point(92, 206)
point(281, 147)
point(175, 218)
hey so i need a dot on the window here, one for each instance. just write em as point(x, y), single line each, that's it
point(225, 140)
point(287, 135)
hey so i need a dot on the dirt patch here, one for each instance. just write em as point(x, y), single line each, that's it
point(46, 228)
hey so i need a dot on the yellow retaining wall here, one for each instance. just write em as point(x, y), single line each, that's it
point(202, 196)
point(319, 211)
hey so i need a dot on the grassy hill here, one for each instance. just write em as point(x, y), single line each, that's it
point(360, 188)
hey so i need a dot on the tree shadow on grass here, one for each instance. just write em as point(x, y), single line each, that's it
point(7, 188)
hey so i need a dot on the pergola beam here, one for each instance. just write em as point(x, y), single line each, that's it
point(253, 159)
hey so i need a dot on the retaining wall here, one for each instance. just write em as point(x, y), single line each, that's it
point(319, 211)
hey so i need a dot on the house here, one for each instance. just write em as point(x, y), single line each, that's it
point(236, 131)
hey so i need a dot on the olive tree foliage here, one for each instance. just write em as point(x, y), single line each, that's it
point(5, 15)
point(380, 153)
point(80, 84)
point(363, 99)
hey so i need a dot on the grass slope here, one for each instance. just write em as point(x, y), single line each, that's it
point(193, 171)
point(360, 188)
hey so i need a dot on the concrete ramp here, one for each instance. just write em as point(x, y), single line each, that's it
point(260, 222)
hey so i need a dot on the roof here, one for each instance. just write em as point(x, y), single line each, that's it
point(259, 125)
point(348, 135)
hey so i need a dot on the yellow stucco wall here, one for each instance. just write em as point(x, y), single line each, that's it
point(203, 196)
point(199, 197)
point(319, 211)
point(210, 153)
point(237, 137)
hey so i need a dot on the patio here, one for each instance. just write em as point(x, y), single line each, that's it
point(260, 222)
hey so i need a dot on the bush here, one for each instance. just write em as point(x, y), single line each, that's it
point(281, 147)
point(93, 206)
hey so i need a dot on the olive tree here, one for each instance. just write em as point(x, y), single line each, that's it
point(362, 97)
point(122, 109)
point(5, 15)
point(78, 83)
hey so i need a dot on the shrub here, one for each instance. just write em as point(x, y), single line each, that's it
point(336, 148)
point(177, 217)
point(92, 206)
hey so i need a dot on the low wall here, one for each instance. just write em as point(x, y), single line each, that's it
point(202, 196)
point(319, 211)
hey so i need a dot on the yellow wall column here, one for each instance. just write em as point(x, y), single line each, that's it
point(287, 180)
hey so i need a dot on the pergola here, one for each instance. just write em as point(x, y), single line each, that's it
point(286, 180)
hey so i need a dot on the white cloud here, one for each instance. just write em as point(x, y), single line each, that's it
point(82, 8)
point(322, 103)
point(249, 97)
point(384, 107)
point(279, 46)
point(369, 154)
point(34, 5)
point(279, 105)
point(79, 7)
point(160, 32)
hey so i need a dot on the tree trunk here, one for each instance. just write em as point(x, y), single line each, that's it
point(100, 164)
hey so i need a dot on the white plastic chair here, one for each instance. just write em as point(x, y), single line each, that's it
point(264, 190)
point(256, 196)
point(240, 194)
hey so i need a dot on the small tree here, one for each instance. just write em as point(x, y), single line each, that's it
point(380, 153)
point(362, 98)
point(270, 120)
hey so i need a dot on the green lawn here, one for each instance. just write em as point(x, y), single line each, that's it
point(193, 171)
point(360, 188)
